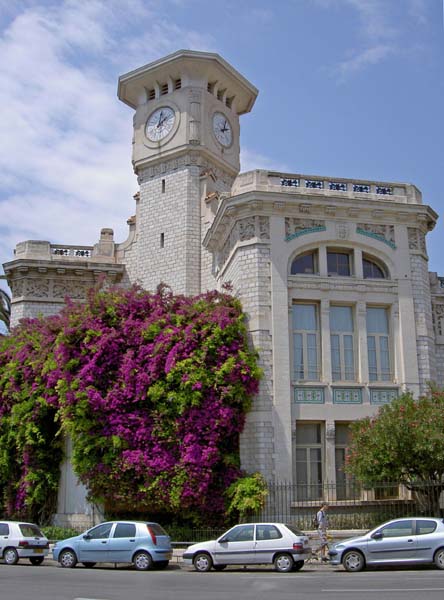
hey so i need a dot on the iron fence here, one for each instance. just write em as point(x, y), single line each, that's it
point(352, 505)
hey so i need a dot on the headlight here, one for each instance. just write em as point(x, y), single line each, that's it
point(339, 546)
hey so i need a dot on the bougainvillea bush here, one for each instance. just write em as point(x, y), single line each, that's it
point(152, 389)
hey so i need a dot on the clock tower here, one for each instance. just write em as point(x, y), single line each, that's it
point(185, 155)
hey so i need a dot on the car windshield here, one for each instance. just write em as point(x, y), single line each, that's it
point(29, 530)
point(294, 529)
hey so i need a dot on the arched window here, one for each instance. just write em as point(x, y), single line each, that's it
point(372, 269)
point(305, 264)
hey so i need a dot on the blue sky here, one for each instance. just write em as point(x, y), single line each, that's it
point(347, 88)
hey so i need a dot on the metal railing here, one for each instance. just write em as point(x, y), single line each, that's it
point(352, 505)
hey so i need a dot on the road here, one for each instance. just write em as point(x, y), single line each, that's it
point(25, 582)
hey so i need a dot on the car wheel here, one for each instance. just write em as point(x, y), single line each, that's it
point(283, 563)
point(10, 556)
point(161, 564)
point(202, 562)
point(88, 565)
point(439, 558)
point(298, 565)
point(68, 559)
point(36, 560)
point(353, 561)
point(219, 567)
point(143, 561)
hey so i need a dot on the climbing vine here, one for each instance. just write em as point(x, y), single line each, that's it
point(151, 388)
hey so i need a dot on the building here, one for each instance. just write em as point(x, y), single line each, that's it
point(333, 272)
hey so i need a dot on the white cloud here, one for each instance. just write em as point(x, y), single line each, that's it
point(65, 160)
point(380, 31)
point(251, 160)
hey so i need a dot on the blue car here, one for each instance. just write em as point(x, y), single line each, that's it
point(143, 544)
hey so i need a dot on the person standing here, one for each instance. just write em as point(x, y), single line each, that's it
point(322, 520)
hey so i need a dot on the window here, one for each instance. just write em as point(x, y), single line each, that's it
point(423, 527)
point(163, 186)
point(240, 533)
point(30, 530)
point(345, 484)
point(306, 343)
point(308, 461)
point(338, 263)
point(378, 344)
point(398, 529)
point(125, 530)
point(267, 532)
point(341, 340)
point(306, 264)
point(4, 529)
point(372, 270)
point(162, 240)
point(100, 532)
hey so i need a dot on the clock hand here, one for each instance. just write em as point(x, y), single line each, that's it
point(159, 123)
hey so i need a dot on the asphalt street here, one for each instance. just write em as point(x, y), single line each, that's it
point(25, 582)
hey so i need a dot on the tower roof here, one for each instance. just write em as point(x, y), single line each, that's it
point(192, 68)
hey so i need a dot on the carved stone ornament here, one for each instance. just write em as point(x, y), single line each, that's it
point(242, 231)
point(73, 289)
point(342, 231)
point(438, 318)
point(416, 239)
point(37, 288)
point(17, 287)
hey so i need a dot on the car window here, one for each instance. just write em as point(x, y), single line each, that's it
point(398, 529)
point(4, 529)
point(267, 532)
point(241, 533)
point(423, 526)
point(124, 530)
point(294, 529)
point(157, 529)
point(29, 530)
point(100, 532)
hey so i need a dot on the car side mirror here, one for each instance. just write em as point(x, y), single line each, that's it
point(378, 535)
point(86, 536)
point(223, 540)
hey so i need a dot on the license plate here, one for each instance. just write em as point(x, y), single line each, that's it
point(38, 550)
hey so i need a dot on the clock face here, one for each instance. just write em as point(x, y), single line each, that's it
point(222, 129)
point(160, 123)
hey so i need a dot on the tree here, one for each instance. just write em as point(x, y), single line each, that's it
point(5, 307)
point(404, 443)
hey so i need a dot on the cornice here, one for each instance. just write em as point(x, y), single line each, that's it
point(271, 203)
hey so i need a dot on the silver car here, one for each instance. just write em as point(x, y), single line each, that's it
point(22, 540)
point(284, 546)
point(411, 541)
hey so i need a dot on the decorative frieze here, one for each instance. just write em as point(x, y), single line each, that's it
point(316, 184)
point(337, 186)
point(382, 233)
point(309, 395)
point(297, 227)
point(74, 252)
point(347, 396)
point(383, 395)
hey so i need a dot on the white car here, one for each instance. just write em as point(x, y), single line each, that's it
point(22, 540)
point(284, 546)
